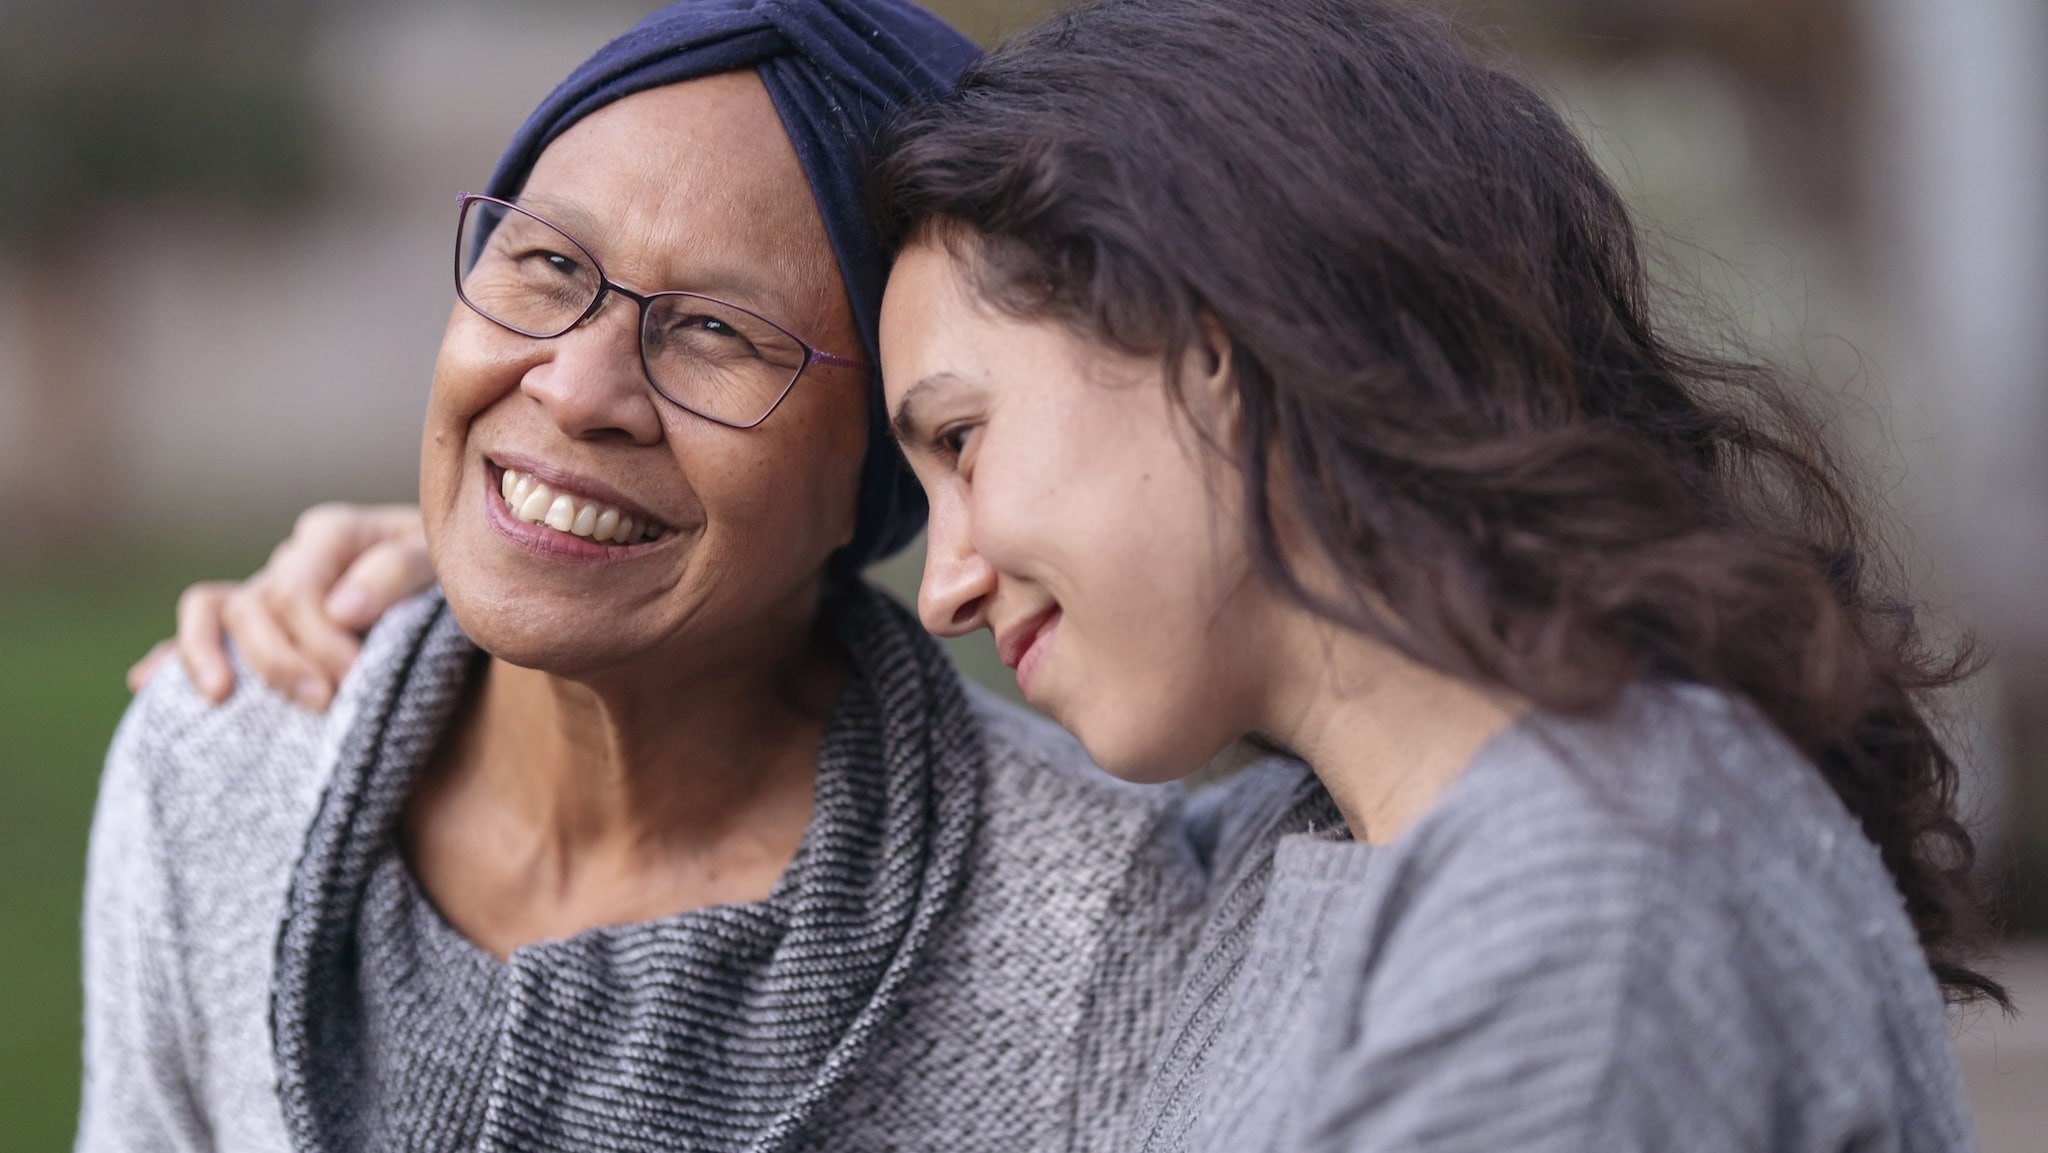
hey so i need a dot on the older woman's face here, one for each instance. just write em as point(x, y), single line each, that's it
point(692, 187)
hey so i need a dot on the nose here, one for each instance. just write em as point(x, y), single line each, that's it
point(592, 384)
point(958, 584)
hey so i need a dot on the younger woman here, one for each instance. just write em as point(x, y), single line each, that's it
point(1284, 371)
point(1280, 370)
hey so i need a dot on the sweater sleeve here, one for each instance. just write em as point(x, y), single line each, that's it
point(138, 1083)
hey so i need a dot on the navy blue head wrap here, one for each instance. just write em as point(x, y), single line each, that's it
point(835, 69)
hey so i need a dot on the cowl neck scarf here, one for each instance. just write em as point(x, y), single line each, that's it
point(720, 1028)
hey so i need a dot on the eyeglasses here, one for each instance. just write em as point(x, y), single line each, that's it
point(705, 355)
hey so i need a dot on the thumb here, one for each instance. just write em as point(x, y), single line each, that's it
point(387, 573)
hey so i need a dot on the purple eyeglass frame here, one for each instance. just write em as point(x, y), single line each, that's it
point(607, 286)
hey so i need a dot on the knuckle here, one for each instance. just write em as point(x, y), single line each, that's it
point(321, 519)
point(198, 596)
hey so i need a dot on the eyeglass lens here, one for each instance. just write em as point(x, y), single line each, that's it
point(713, 358)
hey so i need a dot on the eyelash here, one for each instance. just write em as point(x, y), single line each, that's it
point(947, 443)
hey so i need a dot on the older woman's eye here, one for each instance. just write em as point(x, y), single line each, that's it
point(552, 273)
point(706, 336)
point(537, 261)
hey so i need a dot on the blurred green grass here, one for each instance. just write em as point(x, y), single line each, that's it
point(67, 634)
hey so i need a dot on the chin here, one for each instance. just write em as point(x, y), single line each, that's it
point(1148, 754)
point(527, 632)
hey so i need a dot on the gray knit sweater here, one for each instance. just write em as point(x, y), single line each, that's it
point(1659, 930)
point(977, 946)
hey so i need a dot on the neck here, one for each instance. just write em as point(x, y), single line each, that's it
point(648, 762)
point(1386, 736)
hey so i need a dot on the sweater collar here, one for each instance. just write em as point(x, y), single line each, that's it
point(723, 1027)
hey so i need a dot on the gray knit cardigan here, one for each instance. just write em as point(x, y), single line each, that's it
point(977, 946)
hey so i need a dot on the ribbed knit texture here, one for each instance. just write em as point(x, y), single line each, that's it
point(721, 1028)
point(1658, 930)
point(977, 947)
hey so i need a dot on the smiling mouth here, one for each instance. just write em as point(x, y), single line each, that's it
point(537, 503)
point(1015, 644)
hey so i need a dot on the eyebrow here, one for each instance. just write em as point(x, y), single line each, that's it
point(722, 283)
point(904, 423)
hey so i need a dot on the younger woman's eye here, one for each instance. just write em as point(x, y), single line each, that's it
point(951, 441)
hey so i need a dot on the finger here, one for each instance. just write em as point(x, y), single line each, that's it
point(268, 648)
point(386, 574)
point(329, 647)
point(324, 541)
point(202, 647)
point(140, 672)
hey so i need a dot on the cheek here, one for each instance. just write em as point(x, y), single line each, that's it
point(788, 485)
point(474, 367)
point(470, 375)
point(1141, 544)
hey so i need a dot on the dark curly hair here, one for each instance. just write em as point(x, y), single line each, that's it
point(1446, 359)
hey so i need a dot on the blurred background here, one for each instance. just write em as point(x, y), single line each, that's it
point(224, 238)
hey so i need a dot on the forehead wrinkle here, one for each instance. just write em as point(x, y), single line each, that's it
point(695, 188)
point(746, 226)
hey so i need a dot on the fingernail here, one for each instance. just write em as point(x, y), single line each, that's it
point(312, 693)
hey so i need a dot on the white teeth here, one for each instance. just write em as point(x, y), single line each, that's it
point(534, 509)
point(561, 514)
point(536, 503)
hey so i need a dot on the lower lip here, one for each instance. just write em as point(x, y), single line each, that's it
point(1035, 657)
point(543, 541)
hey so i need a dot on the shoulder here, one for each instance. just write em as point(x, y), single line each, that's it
point(1675, 780)
point(226, 790)
point(1680, 810)
point(199, 770)
point(1664, 903)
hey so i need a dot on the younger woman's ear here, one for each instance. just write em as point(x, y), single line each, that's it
point(1211, 381)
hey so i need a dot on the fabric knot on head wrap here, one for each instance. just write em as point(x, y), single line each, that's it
point(836, 70)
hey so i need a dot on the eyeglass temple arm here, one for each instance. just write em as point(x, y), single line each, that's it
point(820, 356)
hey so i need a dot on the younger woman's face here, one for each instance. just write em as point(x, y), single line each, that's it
point(1077, 514)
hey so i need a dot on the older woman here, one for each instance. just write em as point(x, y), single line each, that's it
point(652, 830)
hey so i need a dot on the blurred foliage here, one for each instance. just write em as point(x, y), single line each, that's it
point(179, 99)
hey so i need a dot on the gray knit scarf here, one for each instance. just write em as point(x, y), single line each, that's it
point(721, 1028)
